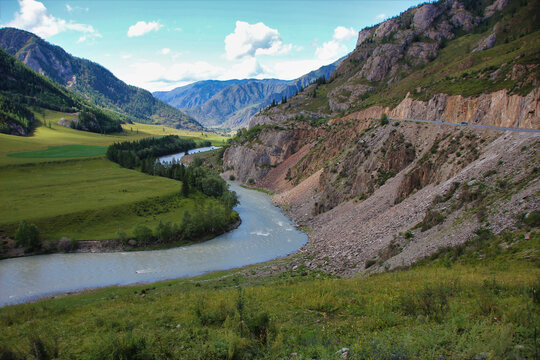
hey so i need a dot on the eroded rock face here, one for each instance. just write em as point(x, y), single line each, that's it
point(424, 16)
point(486, 43)
point(496, 109)
point(362, 36)
point(255, 160)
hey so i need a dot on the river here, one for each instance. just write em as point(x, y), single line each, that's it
point(265, 233)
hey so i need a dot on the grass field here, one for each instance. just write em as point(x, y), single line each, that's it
point(63, 151)
point(59, 179)
point(480, 307)
point(45, 137)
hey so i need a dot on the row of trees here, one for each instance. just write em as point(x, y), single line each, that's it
point(130, 154)
point(209, 219)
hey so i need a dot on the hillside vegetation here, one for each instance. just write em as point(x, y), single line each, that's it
point(22, 90)
point(91, 81)
point(479, 303)
point(73, 191)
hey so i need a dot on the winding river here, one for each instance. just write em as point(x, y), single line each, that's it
point(265, 233)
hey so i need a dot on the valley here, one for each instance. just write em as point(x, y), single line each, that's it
point(383, 206)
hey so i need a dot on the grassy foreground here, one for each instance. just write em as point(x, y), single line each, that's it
point(484, 304)
point(59, 180)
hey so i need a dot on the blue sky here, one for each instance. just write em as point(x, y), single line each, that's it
point(159, 45)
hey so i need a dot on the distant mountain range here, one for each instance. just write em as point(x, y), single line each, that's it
point(91, 81)
point(232, 103)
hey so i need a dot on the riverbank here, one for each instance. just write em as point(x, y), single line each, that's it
point(459, 308)
point(103, 246)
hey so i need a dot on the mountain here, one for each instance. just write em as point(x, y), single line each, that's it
point(232, 103)
point(22, 90)
point(91, 81)
point(380, 192)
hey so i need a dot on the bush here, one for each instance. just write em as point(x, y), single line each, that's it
point(27, 236)
point(533, 219)
point(384, 119)
point(251, 181)
point(232, 177)
point(67, 245)
point(143, 234)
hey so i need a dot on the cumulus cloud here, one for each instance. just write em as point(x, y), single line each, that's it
point(341, 33)
point(254, 39)
point(142, 27)
point(33, 16)
point(248, 68)
point(165, 51)
point(335, 48)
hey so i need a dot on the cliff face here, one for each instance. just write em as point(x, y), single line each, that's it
point(360, 183)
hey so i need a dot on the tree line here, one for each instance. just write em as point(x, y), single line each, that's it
point(130, 154)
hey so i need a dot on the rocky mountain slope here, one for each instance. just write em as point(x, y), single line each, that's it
point(22, 91)
point(379, 194)
point(91, 80)
point(232, 103)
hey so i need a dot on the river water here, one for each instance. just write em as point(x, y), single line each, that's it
point(265, 233)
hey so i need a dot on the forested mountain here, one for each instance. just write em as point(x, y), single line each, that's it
point(232, 103)
point(21, 88)
point(90, 80)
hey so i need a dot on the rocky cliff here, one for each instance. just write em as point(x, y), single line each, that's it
point(388, 192)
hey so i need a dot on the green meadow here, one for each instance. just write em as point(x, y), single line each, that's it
point(60, 180)
point(480, 304)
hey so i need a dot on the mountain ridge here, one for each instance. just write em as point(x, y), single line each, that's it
point(91, 80)
point(232, 103)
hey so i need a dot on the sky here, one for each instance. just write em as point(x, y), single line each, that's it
point(160, 45)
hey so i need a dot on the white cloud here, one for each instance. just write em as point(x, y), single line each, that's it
point(165, 51)
point(88, 36)
point(248, 68)
point(33, 16)
point(252, 40)
point(380, 17)
point(142, 27)
point(70, 8)
point(333, 49)
point(341, 33)
point(288, 70)
point(127, 56)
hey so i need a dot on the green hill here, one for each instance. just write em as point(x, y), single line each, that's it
point(22, 89)
point(91, 81)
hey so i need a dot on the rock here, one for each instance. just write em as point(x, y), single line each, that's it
point(362, 36)
point(132, 242)
point(498, 5)
point(486, 43)
point(386, 28)
point(424, 16)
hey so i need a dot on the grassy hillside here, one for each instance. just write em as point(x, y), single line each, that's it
point(93, 81)
point(22, 88)
point(60, 180)
point(480, 303)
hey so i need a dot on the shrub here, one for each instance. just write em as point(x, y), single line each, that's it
point(251, 181)
point(384, 119)
point(533, 219)
point(143, 234)
point(67, 245)
point(232, 177)
point(27, 236)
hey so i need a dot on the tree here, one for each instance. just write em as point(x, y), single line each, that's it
point(384, 119)
point(27, 236)
point(143, 234)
